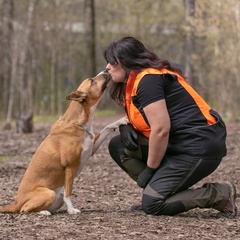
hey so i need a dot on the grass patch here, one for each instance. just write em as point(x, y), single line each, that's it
point(45, 119)
point(3, 158)
point(238, 119)
point(105, 112)
point(15, 158)
point(54, 118)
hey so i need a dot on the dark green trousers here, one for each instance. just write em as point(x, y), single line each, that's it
point(168, 192)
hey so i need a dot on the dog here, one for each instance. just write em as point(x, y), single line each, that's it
point(63, 153)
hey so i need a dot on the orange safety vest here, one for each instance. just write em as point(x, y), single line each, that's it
point(135, 116)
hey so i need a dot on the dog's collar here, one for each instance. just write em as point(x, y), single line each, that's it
point(86, 130)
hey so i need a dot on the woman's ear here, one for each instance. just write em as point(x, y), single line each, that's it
point(77, 96)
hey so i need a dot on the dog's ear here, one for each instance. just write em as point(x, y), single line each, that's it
point(77, 96)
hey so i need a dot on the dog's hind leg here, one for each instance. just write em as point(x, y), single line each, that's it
point(39, 200)
point(59, 201)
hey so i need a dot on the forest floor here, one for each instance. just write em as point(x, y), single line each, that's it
point(104, 195)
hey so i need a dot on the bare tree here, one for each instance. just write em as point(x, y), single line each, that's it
point(69, 36)
point(189, 40)
point(7, 29)
point(22, 60)
point(89, 20)
point(13, 63)
point(24, 120)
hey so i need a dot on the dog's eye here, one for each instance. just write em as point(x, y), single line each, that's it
point(92, 81)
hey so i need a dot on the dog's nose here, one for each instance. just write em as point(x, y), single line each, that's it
point(104, 71)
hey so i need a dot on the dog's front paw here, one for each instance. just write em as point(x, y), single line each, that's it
point(45, 212)
point(123, 121)
point(73, 211)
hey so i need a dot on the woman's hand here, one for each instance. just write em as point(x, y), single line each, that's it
point(145, 176)
point(128, 137)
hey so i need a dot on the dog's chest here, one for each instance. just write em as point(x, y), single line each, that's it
point(86, 151)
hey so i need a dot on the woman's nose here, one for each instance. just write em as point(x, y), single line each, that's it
point(108, 66)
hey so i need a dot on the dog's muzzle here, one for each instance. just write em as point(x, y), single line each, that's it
point(107, 77)
point(102, 72)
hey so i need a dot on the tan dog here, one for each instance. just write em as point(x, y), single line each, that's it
point(63, 154)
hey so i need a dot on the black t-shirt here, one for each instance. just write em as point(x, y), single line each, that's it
point(190, 133)
point(182, 108)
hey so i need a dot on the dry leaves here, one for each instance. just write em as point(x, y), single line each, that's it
point(104, 194)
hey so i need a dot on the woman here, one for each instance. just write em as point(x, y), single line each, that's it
point(174, 138)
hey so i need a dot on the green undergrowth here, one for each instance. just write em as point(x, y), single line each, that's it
point(105, 113)
point(14, 158)
point(54, 118)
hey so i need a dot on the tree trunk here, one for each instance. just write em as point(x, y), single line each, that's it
point(25, 114)
point(7, 31)
point(89, 19)
point(59, 83)
point(14, 58)
point(52, 81)
point(189, 40)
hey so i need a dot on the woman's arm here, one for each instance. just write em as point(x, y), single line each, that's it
point(159, 121)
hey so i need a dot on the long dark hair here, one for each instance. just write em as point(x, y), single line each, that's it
point(133, 56)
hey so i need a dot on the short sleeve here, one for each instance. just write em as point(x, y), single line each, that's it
point(150, 89)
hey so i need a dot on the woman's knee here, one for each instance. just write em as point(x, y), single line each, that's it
point(114, 148)
point(114, 144)
point(152, 205)
point(155, 206)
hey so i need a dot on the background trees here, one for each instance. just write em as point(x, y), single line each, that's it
point(48, 47)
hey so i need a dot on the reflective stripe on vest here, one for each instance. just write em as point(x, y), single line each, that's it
point(135, 116)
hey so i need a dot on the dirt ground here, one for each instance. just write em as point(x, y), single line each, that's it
point(104, 195)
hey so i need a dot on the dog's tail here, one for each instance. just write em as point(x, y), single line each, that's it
point(11, 208)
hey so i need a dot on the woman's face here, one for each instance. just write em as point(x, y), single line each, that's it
point(117, 72)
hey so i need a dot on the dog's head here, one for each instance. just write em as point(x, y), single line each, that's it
point(91, 89)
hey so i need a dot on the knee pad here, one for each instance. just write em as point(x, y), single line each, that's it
point(155, 204)
point(152, 205)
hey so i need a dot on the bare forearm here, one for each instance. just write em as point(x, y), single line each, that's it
point(157, 148)
point(159, 121)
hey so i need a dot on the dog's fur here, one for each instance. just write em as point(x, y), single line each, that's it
point(63, 154)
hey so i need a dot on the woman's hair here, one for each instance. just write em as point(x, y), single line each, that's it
point(133, 56)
